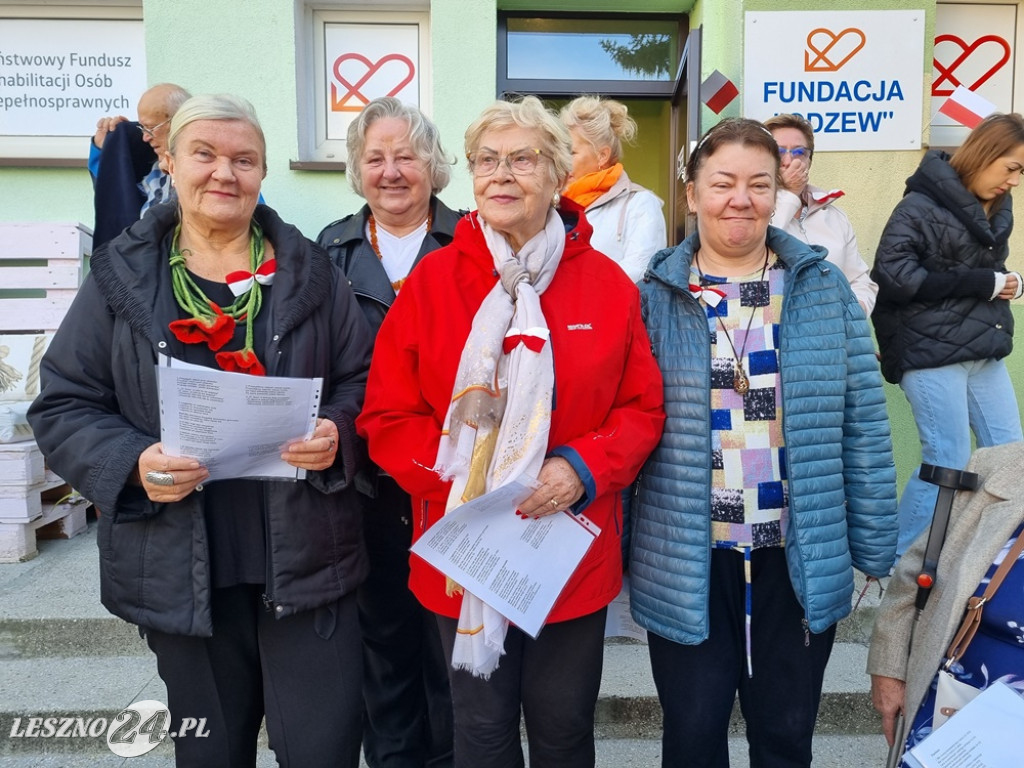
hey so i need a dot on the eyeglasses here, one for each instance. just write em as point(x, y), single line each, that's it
point(793, 152)
point(151, 132)
point(522, 162)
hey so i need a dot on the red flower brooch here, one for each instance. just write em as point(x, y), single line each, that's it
point(214, 325)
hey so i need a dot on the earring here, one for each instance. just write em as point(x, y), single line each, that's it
point(555, 200)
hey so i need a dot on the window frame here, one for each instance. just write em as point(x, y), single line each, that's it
point(316, 151)
point(554, 87)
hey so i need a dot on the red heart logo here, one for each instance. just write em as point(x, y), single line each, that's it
point(402, 73)
point(993, 46)
point(849, 41)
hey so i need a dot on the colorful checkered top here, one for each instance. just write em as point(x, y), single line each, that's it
point(749, 498)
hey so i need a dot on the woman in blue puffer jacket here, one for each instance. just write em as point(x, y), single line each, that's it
point(774, 477)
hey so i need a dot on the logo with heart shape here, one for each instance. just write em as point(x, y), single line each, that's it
point(990, 50)
point(386, 76)
point(831, 50)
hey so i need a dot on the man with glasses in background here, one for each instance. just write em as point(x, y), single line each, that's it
point(807, 212)
point(125, 163)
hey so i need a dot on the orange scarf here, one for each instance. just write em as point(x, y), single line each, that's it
point(586, 190)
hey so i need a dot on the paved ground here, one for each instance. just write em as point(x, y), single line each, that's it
point(61, 654)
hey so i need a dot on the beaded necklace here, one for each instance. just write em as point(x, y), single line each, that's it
point(214, 324)
point(395, 284)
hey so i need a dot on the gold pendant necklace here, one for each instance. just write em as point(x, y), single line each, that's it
point(740, 380)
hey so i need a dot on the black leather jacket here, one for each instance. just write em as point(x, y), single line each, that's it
point(345, 242)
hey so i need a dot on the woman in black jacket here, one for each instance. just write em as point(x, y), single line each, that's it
point(243, 588)
point(943, 318)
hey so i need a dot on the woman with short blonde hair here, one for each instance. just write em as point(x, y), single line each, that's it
point(629, 226)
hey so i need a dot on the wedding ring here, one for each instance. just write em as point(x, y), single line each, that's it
point(331, 446)
point(160, 478)
point(553, 503)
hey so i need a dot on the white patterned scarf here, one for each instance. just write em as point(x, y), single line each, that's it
point(496, 428)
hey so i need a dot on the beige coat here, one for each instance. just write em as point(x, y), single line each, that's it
point(980, 525)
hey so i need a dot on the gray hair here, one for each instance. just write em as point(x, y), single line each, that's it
point(174, 96)
point(423, 135)
point(531, 114)
point(602, 122)
point(215, 106)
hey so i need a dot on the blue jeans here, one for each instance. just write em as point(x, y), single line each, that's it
point(948, 404)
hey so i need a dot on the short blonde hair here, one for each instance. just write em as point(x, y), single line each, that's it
point(602, 122)
point(216, 106)
point(787, 120)
point(530, 113)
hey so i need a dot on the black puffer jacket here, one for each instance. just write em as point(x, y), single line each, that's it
point(935, 268)
point(98, 411)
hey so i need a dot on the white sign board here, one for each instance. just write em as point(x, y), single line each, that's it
point(857, 76)
point(975, 48)
point(365, 62)
point(58, 76)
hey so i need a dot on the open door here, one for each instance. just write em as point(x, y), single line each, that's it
point(684, 135)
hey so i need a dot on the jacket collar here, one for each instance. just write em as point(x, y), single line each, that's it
point(672, 266)
point(821, 198)
point(936, 179)
point(468, 232)
point(131, 270)
point(442, 223)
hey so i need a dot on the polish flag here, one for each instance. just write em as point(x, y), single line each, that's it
point(717, 92)
point(967, 107)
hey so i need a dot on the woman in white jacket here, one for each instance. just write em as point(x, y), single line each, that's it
point(807, 212)
point(629, 226)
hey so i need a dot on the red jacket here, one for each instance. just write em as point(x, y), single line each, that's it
point(607, 414)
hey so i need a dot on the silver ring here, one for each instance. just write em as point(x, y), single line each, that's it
point(553, 503)
point(160, 478)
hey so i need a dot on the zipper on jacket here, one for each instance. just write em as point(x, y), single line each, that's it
point(268, 588)
point(807, 631)
point(379, 299)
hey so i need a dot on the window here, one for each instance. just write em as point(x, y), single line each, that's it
point(358, 56)
point(620, 55)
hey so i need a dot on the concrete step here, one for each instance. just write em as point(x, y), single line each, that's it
point(829, 752)
point(63, 655)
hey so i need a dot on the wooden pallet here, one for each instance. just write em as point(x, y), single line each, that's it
point(29, 508)
point(41, 267)
point(42, 264)
point(57, 521)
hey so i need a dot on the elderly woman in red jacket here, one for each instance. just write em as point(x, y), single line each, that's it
point(453, 411)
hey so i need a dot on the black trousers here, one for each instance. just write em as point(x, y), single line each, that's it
point(302, 672)
point(697, 684)
point(408, 704)
point(554, 680)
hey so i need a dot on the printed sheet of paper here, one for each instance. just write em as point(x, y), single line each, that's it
point(234, 424)
point(984, 734)
point(619, 620)
point(518, 567)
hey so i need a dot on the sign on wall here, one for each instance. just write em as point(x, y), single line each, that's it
point(857, 76)
point(974, 47)
point(365, 62)
point(58, 76)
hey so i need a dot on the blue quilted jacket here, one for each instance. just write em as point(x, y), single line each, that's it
point(842, 481)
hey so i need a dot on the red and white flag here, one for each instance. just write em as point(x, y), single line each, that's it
point(717, 91)
point(967, 107)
